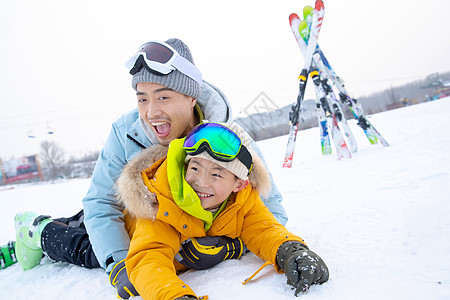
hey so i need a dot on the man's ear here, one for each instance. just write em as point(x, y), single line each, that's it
point(193, 101)
point(240, 185)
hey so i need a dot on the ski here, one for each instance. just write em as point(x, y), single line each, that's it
point(294, 115)
point(342, 149)
point(301, 33)
point(331, 97)
point(355, 107)
point(339, 113)
point(323, 129)
point(338, 139)
point(371, 133)
point(298, 26)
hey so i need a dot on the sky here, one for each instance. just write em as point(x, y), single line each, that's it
point(379, 220)
point(62, 62)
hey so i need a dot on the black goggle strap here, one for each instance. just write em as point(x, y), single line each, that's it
point(246, 158)
point(140, 63)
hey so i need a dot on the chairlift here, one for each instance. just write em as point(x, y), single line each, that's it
point(30, 134)
point(49, 130)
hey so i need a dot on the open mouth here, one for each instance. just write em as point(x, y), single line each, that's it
point(162, 128)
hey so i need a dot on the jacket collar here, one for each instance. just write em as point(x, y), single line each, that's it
point(133, 193)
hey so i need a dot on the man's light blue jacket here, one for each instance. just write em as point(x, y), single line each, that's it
point(103, 216)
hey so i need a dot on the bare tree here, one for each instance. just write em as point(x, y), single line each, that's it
point(392, 94)
point(85, 157)
point(52, 157)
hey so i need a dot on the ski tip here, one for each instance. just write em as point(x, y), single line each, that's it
point(303, 29)
point(303, 25)
point(287, 163)
point(293, 16)
point(384, 143)
point(308, 9)
point(308, 12)
point(319, 5)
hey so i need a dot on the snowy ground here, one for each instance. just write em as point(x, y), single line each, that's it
point(380, 220)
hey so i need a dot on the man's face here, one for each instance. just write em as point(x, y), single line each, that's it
point(212, 183)
point(168, 113)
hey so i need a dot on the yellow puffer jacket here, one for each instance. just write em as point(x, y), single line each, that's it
point(158, 226)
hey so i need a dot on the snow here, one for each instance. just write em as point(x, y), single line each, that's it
point(380, 220)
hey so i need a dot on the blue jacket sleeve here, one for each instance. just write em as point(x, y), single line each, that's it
point(103, 216)
point(273, 199)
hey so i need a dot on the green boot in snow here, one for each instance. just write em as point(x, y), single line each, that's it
point(8, 255)
point(29, 227)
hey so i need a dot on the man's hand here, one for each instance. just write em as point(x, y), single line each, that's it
point(206, 252)
point(119, 279)
point(301, 266)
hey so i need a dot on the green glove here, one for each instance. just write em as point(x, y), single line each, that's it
point(119, 279)
point(301, 266)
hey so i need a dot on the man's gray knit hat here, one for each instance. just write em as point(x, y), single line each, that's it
point(175, 80)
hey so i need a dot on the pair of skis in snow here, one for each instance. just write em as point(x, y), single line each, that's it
point(328, 108)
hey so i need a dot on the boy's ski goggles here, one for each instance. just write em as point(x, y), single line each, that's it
point(161, 59)
point(219, 142)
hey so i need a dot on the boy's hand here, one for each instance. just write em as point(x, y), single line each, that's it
point(206, 252)
point(119, 279)
point(302, 266)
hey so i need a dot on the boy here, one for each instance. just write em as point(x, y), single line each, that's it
point(208, 185)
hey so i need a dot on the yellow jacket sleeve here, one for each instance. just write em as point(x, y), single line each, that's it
point(263, 234)
point(150, 261)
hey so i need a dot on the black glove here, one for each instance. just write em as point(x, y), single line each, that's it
point(119, 279)
point(302, 266)
point(206, 252)
point(187, 297)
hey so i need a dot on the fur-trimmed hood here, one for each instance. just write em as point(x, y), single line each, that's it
point(134, 195)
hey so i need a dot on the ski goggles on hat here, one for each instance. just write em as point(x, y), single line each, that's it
point(161, 59)
point(219, 141)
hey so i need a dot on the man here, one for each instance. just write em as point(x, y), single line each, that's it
point(172, 99)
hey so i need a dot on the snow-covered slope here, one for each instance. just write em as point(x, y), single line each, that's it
point(381, 220)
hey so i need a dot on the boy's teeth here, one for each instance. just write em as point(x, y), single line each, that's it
point(204, 195)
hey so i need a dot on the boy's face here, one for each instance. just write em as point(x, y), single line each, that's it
point(169, 114)
point(212, 183)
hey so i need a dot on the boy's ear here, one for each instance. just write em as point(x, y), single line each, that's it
point(240, 185)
